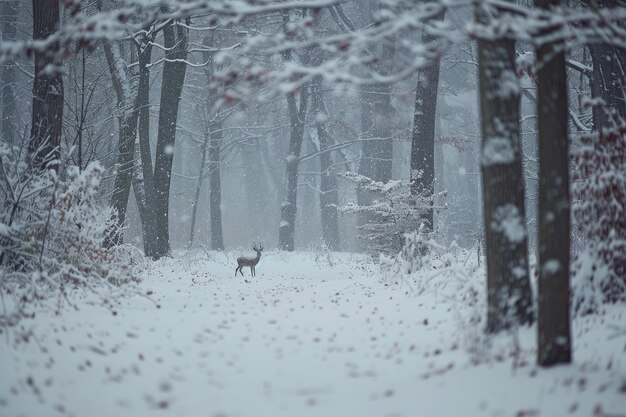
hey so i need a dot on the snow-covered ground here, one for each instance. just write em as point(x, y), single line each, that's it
point(302, 338)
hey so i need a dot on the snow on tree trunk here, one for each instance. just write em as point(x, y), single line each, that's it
point(423, 133)
point(127, 134)
point(508, 286)
point(47, 115)
point(175, 40)
point(554, 341)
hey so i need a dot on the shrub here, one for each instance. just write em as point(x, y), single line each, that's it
point(51, 237)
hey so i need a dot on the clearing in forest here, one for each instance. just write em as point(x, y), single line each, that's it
point(310, 335)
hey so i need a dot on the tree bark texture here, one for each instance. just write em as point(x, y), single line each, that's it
point(554, 334)
point(175, 41)
point(143, 129)
point(508, 286)
point(297, 116)
point(423, 132)
point(9, 73)
point(288, 208)
point(329, 196)
point(47, 112)
point(127, 134)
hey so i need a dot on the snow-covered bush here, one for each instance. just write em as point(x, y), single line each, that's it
point(451, 273)
point(393, 213)
point(51, 237)
point(599, 214)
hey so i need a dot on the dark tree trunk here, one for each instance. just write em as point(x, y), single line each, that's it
point(297, 116)
point(47, 114)
point(329, 196)
point(215, 147)
point(608, 81)
point(554, 339)
point(423, 132)
point(508, 286)
point(147, 179)
point(9, 73)
point(124, 166)
point(175, 41)
point(288, 208)
point(139, 189)
point(609, 84)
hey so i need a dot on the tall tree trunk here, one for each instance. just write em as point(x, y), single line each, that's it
point(297, 116)
point(215, 196)
point(554, 339)
point(329, 196)
point(147, 176)
point(609, 84)
point(47, 114)
point(139, 188)
point(9, 73)
point(196, 199)
point(423, 132)
point(127, 135)
point(508, 286)
point(288, 208)
point(175, 42)
point(608, 79)
point(214, 147)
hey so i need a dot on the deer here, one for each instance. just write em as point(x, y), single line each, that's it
point(251, 262)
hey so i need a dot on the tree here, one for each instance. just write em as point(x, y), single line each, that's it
point(508, 286)
point(297, 115)
point(423, 133)
point(143, 181)
point(9, 76)
point(608, 80)
point(394, 212)
point(329, 196)
point(47, 114)
point(127, 135)
point(554, 339)
point(174, 69)
point(215, 136)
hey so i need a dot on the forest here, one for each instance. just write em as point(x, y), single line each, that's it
point(423, 202)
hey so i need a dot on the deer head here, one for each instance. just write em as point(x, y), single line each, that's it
point(258, 249)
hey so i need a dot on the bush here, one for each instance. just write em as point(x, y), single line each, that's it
point(391, 215)
point(599, 214)
point(51, 237)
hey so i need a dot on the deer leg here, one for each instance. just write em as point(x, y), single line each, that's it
point(254, 271)
point(236, 269)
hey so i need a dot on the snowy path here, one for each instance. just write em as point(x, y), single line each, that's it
point(300, 339)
